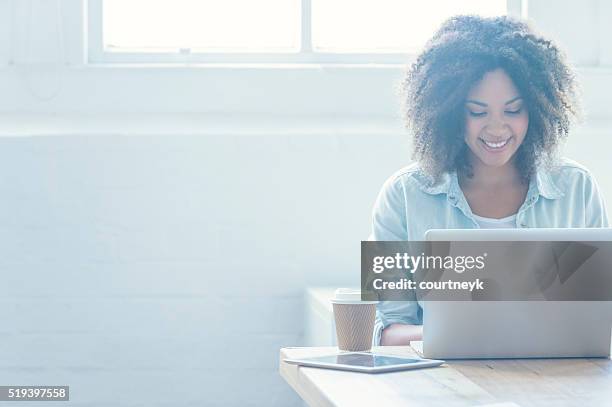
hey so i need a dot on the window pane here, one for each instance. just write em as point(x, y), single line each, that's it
point(209, 25)
point(387, 25)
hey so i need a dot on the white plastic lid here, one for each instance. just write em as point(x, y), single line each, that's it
point(349, 296)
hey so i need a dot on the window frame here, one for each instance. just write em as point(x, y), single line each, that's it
point(98, 55)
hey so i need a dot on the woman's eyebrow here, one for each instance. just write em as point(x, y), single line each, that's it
point(514, 100)
point(476, 102)
point(485, 105)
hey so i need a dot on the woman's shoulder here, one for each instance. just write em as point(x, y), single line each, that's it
point(566, 174)
point(567, 166)
point(413, 178)
point(580, 192)
point(408, 184)
point(404, 173)
point(406, 194)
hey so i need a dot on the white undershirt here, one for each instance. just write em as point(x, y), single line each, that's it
point(492, 223)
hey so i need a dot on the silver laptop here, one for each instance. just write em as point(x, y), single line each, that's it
point(517, 329)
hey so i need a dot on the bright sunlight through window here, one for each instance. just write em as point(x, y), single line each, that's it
point(279, 26)
point(387, 25)
point(202, 25)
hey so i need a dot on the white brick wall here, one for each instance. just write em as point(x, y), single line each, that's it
point(129, 264)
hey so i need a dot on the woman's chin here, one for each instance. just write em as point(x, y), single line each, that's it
point(494, 162)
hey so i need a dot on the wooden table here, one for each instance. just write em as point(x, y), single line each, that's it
point(497, 382)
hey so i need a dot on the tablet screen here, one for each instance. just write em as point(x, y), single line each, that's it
point(364, 360)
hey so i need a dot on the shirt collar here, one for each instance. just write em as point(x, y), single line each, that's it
point(541, 184)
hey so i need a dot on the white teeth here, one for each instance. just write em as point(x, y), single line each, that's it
point(496, 145)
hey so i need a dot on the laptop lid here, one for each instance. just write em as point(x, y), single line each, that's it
point(517, 329)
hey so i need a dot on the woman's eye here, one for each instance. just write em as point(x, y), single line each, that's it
point(477, 114)
point(517, 111)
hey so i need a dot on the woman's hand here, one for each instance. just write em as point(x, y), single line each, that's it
point(401, 334)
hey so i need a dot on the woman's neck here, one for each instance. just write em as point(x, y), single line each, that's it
point(494, 192)
point(487, 177)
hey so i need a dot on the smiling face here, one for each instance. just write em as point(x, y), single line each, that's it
point(496, 120)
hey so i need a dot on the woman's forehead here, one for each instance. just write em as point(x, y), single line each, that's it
point(494, 87)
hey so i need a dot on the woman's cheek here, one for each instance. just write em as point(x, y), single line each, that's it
point(471, 130)
point(521, 125)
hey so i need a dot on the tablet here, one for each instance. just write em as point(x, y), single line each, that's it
point(366, 362)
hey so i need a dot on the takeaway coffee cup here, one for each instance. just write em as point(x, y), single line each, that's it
point(354, 320)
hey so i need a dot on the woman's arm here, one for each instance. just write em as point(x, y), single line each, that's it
point(401, 334)
point(396, 321)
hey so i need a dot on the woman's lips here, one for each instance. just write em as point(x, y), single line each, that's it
point(495, 146)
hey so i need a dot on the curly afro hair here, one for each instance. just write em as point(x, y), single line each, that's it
point(455, 59)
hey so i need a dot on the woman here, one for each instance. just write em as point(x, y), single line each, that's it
point(488, 102)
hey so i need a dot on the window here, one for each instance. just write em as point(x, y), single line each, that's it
point(285, 31)
point(387, 25)
point(201, 26)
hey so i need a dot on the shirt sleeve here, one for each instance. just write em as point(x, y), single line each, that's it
point(389, 224)
point(596, 213)
point(395, 312)
point(389, 213)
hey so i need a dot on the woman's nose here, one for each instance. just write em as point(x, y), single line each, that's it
point(497, 127)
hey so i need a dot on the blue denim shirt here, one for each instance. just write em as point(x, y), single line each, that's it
point(563, 196)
